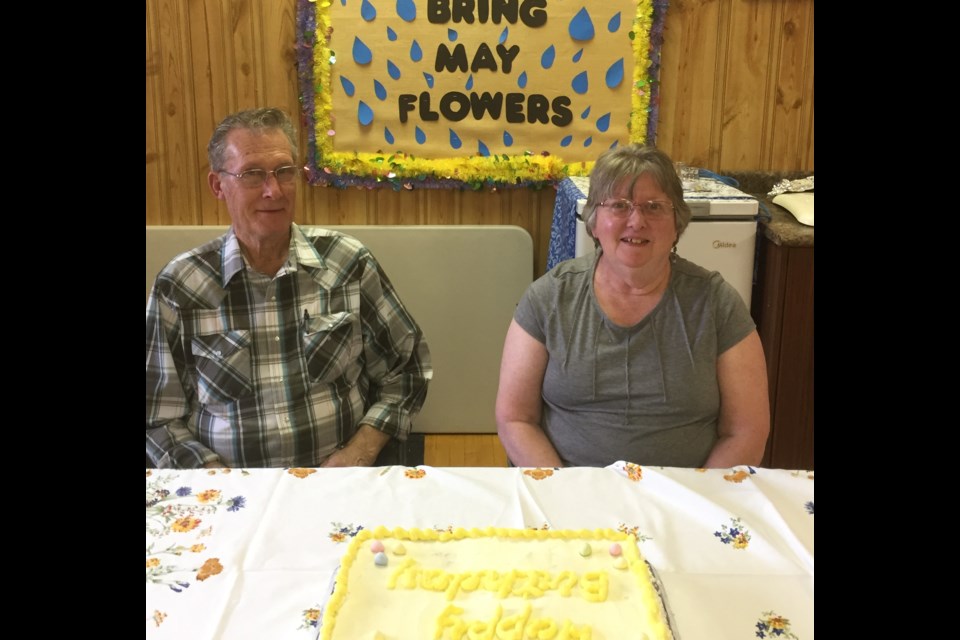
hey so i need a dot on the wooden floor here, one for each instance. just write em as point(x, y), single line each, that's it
point(463, 450)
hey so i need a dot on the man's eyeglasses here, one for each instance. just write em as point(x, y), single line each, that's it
point(653, 209)
point(256, 177)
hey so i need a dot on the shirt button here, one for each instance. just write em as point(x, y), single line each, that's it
point(276, 339)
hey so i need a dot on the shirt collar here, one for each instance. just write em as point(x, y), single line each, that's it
point(232, 257)
point(302, 252)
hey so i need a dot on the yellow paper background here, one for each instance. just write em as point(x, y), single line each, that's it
point(597, 55)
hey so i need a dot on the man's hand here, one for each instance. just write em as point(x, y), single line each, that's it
point(361, 451)
point(344, 458)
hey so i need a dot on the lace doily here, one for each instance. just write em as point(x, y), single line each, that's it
point(792, 186)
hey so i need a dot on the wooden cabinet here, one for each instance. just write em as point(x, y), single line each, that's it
point(783, 311)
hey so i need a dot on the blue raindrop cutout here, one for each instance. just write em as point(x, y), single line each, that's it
point(507, 139)
point(588, 141)
point(347, 86)
point(566, 141)
point(380, 90)
point(420, 135)
point(361, 52)
point(416, 53)
point(429, 79)
point(603, 123)
point(364, 113)
point(577, 56)
point(503, 36)
point(580, 83)
point(393, 70)
point(522, 80)
point(581, 26)
point(387, 135)
point(469, 84)
point(482, 148)
point(452, 35)
point(455, 141)
point(614, 23)
point(367, 11)
point(391, 35)
point(549, 55)
point(615, 74)
point(407, 10)
point(585, 114)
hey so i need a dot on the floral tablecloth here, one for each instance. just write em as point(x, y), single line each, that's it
point(235, 553)
point(563, 227)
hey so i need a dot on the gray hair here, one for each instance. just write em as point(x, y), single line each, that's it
point(257, 120)
point(622, 166)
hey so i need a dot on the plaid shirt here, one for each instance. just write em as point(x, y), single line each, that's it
point(256, 371)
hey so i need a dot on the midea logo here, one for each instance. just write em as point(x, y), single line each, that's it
point(720, 244)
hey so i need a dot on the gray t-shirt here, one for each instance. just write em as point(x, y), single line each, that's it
point(646, 394)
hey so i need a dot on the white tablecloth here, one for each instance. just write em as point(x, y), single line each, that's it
point(241, 554)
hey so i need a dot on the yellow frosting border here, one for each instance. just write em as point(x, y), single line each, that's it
point(637, 565)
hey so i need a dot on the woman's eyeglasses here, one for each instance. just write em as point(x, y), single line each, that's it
point(653, 209)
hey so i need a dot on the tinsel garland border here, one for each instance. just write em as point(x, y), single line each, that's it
point(401, 171)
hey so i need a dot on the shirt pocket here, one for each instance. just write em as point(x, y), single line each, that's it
point(223, 367)
point(331, 346)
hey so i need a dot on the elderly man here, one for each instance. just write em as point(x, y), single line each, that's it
point(275, 345)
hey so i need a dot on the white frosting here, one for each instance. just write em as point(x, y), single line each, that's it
point(433, 585)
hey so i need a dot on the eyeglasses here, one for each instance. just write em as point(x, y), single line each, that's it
point(256, 177)
point(653, 209)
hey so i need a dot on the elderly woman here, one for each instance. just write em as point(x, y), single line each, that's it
point(633, 353)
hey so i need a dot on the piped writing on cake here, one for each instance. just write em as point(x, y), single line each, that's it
point(522, 625)
point(591, 586)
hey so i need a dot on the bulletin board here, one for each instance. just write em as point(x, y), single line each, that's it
point(474, 93)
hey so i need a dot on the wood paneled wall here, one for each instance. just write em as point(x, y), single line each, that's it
point(736, 84)
point(736, 95)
